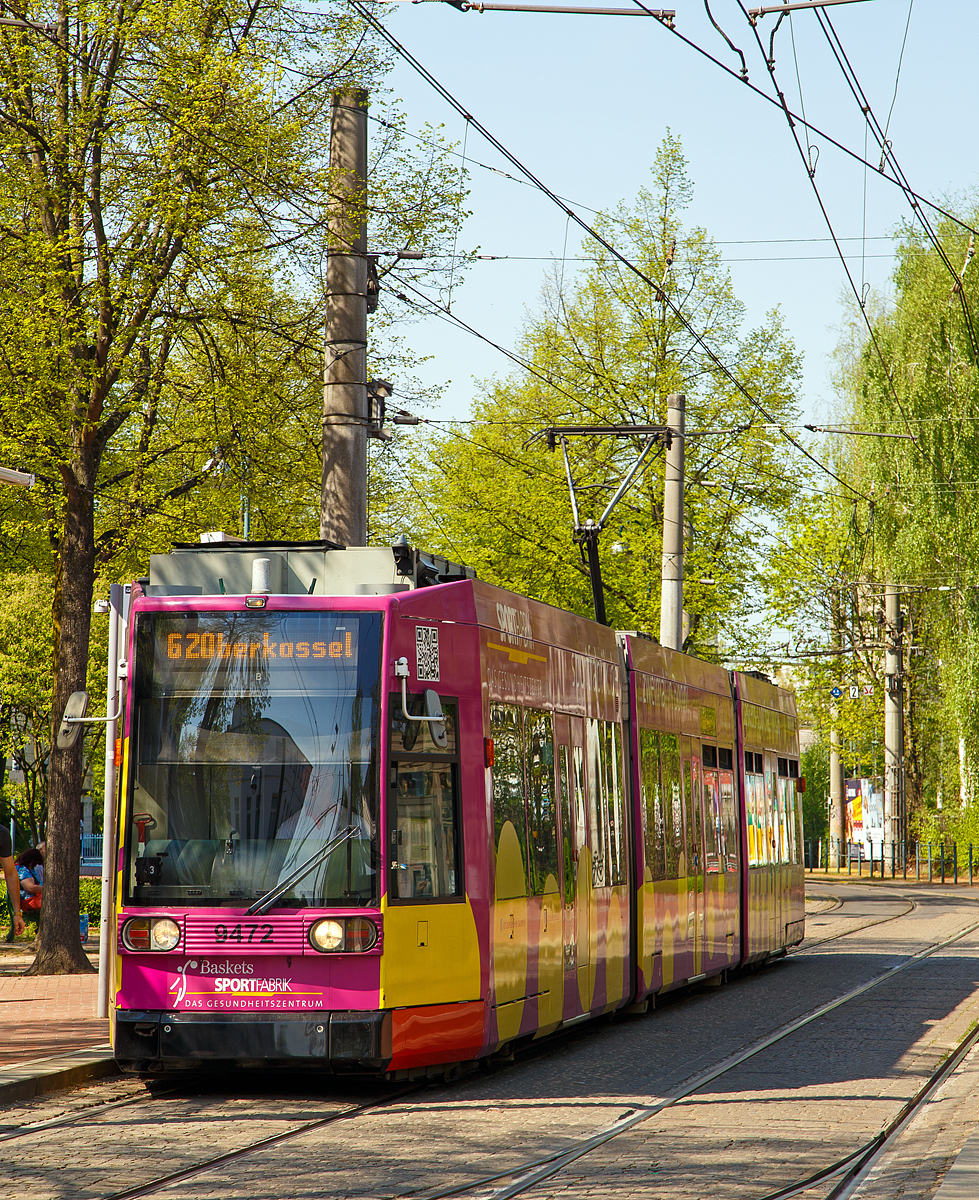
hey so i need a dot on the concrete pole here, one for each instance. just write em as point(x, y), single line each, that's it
point(343, 502)
point(671, 593)
point(893, 716)
point(837, 801)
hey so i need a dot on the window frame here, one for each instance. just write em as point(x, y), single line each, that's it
point(450, 760)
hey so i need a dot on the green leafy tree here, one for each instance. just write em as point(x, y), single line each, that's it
point(162, 215)
point(610, 350)
point(919, 379)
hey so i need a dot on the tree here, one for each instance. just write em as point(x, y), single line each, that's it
point(164, 185)
point(609, 350)
point(918, 378)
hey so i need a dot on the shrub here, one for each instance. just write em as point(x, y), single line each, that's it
point(89, 900)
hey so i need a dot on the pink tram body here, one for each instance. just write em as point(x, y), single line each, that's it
point(595, 820)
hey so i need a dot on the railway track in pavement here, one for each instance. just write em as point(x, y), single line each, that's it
point(532, 1171)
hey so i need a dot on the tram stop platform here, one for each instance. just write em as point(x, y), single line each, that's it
point(50, 1036)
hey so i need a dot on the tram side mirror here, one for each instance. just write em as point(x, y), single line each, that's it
point(71, 725)
point(433, 708)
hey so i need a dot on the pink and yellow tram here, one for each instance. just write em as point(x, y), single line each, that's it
point(394, 818)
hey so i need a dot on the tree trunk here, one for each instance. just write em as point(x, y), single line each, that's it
point(59, 950)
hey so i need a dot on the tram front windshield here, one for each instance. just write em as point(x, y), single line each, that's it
point(254, 745)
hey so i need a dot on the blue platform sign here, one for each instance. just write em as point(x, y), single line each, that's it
point(836, 693)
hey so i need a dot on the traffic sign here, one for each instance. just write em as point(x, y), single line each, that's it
point(836, 693)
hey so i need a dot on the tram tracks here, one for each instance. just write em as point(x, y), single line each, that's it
point(834, 937)
point(523, 1177)
point(537, 1171)
point(220, 1160)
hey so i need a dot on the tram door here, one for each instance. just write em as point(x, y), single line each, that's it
point(584, 959)
point(771, 834)
point(569, 846)
point(693, 802)
point(778, 853)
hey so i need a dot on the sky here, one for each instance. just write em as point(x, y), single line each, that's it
point(584, 102)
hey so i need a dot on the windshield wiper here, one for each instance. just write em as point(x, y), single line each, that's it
point(264, 903)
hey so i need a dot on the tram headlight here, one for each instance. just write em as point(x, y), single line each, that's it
point(333, 934)
point(327, 935)
point(164, 934)
point(361, 933)
point(150, 933)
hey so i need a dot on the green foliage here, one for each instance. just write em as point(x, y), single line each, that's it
point(89, 901)
point(814, 768)
point(911, 519)
point(165, 189)
point(609, 350)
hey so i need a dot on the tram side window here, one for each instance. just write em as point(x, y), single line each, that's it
point(713, 830)
point(790, 822)
point(567, 846)
point(616, 803)
point(691, 844)
point(652, 803)
point(755, 802)
point(580, 818)
point(784, 821)
point(508, 783)
point(597, 803)
point(672, 803)
point(540, 809)
point(771, 816)
point(729, 818)
point(427, 831)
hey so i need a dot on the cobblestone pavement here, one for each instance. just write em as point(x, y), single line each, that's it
point(796, 1106)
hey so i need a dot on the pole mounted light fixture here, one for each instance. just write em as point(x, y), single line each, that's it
point(17, 478)
point(666, 15)
point(755, 13)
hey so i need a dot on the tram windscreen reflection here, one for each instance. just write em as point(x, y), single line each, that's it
point(254, 742)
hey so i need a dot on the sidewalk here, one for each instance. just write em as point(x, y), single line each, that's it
point(49, 1033)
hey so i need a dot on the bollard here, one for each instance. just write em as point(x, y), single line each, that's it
point(893, 861)
point(929, 863)
point(917, 861)
point(943, 862)
point(955, 862)
point(970, 864)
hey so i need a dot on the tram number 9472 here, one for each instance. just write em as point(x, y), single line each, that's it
point(243, 934)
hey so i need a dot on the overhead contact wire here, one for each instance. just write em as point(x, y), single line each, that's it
point(593, 233)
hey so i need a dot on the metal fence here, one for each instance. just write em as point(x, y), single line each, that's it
point(92, 846)
point(935, 862)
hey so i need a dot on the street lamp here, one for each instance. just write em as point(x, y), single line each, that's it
point(17, 478)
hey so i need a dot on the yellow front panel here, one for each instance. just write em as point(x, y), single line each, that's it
point(431, 955)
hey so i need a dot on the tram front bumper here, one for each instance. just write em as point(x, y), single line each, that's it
point(336, 1041)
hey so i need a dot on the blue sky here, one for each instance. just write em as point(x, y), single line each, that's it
point(584, 101)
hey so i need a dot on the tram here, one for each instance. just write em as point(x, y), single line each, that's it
point(375, 815)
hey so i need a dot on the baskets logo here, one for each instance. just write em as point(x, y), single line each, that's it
point(214, 983)
point(264, 987)
point(179, 985)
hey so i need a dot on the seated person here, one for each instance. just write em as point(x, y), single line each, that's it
point(28, 864)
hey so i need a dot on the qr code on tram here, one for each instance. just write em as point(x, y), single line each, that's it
point(427, 652)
